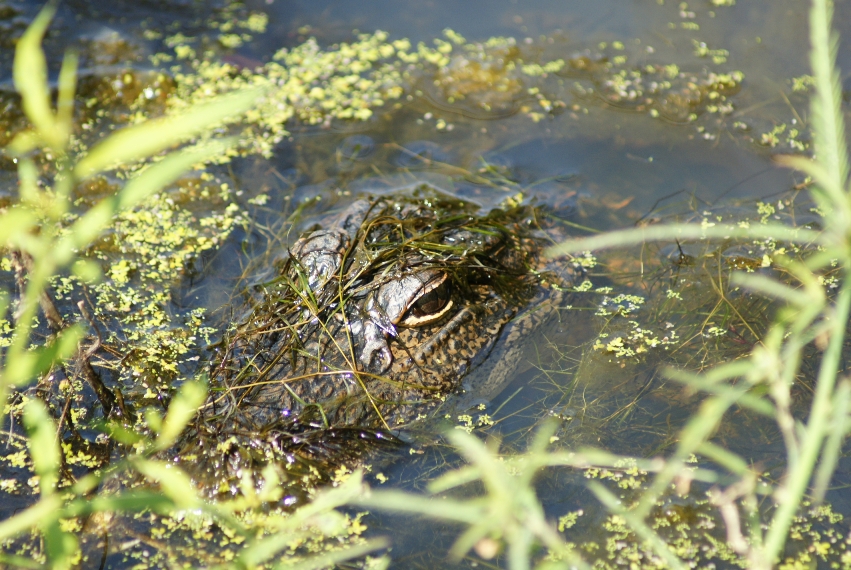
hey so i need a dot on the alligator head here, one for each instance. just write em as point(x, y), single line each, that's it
point(374, 315)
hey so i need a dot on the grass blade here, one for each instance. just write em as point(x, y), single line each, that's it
point(44, 449)
point(149, 138)
point(30, 74)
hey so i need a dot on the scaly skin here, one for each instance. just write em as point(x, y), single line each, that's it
point(382, 311)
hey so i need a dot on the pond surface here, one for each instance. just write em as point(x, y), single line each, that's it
point(608, 155)
point(599, 160)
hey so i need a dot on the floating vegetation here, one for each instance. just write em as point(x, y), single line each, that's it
point(353, 81)
point(695, 314)
point(687, 519)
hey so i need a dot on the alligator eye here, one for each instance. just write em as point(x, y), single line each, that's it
point(430, 306)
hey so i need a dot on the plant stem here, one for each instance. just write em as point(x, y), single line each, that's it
point(815, 432)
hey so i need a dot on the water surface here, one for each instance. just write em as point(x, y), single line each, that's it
point(628, 165)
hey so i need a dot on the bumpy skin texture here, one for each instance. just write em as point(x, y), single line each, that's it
point(379, 312)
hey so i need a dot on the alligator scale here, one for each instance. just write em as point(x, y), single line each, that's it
point(381, 311)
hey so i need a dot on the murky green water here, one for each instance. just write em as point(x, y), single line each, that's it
point(598, 159)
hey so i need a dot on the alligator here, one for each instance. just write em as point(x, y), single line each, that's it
point(375, 315)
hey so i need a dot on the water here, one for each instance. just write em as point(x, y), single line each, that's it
point(622, 158)
point(635, 164)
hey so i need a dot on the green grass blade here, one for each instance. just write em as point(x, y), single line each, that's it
point(180, 411)
point(159, 175)
point(174, 482)
point(17, 222)
point(44, 448)
point(32, 363)
point(828, 121)
point(613, 504)
point(129, 501)
point(30, 74)
point(671, 232)
point(153, 179)
point(333, 558)
point(773, 288)
point(65, 97)
point(732, 462)
point(12, 561)
point(30, 517)
point(61, 547)
point(151, 137)
point(812, 437)
point(833, 446)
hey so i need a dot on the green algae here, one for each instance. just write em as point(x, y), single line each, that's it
point(377, 74)
point(684, 303)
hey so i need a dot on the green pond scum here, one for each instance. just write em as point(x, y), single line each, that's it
point(105, 364)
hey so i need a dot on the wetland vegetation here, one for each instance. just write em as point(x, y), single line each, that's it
point(687, 373)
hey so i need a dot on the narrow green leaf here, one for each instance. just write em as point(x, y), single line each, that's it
point(28, 182)
point(335, 557)
point(65, 98)
point(806, 165)
point(724, 457)
point(44, 449)
point(265, 548)
point(473, 534)
point(64, 344)
point(826, 104)
point(159, 175)
point(180, 411)
point(61, 547)
point(493, 472)
point(666, 232)
point(151, 137)
point(835, 438)
point(454, 478)
point(328, 499)
point(130, 501)
point(14, 222)
point(773, 288)
point(18, 561)
point(799, 473)
point(745, 400)
point(153, 179)
point(28, 365)
point(23, 143)
point(121, 434)
point(154, 419)
point(175, 484)
point(87, 271)
point(30, 74)
point(45, 509)
point(614, 505)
